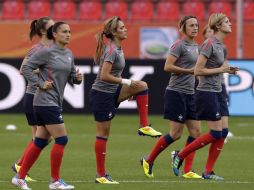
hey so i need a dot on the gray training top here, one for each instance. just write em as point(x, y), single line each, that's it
point(213, 50)
point(115, 56)
point(55, 64)
point(30, 88)
point(186, 54)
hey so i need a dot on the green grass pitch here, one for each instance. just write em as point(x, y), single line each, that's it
point(124, 149)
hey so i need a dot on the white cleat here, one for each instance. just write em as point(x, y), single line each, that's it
point(20, 183)
point(60, 185)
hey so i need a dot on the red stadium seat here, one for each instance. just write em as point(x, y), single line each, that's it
point(64, 10)
point(38, 8)
point(195, 8)
point(248, 13)
point(116, 8)
point(167, 10)
point(13, 9)
point(89, 10)
point(142, 10)
point(220, 7)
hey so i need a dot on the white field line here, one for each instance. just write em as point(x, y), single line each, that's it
point(158, 181)
point(250, 138)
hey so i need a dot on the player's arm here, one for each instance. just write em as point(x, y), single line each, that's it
point(200, 69)
point(172, 68)
point(106, 74)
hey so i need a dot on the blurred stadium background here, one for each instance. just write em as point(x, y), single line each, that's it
point(152, 28)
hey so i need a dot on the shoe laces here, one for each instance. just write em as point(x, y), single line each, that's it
point(62, 182)
point(107, 176)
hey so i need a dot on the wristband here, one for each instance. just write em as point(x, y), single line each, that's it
point(126, 81)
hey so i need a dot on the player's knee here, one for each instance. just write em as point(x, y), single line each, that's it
point(61, 140)
point(41, 143)
point(143, 85)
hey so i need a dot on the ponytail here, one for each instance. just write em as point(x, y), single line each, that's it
point(33, 31)
point(100, 47)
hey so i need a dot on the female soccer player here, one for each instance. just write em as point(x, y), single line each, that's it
point(210, 66)
point(56, 65)
point(179, 104)
point(38, 28)
point(110, 89)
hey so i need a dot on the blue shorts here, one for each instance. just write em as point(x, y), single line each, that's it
point(223, 98)
point(48, 115)
point(179, 107)
point(208, 105)
point(29, 109)
point(104, 104)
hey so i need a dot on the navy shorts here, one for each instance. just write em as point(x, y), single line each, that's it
point(208, 105)
point(223, 98)
point(29, 109)
point(48, 115)
point(104, 104)
point(179, 107)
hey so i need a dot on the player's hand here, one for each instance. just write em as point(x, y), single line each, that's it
point(48, 85)
point(233, 70)
point(79, 76)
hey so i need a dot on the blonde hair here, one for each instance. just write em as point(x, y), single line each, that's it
point(110, 26)
point(215, 20)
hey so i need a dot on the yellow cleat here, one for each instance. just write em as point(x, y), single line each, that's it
point(148, 131)
point(105, 180)
point(148, 168)
point(191, 175)
point(16, 169)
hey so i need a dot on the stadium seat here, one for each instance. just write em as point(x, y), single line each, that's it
point(64, 10)
point(13, 9)
point(248, 13)
point(89, 10)
point(167, 10)
point(116, 8)
point(38, 8)
point(196, 8)
point(221, 7)
point(141, 10)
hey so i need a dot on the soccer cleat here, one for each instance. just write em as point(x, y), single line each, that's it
point(29, 179)
point(105, 180)
point(148, 131)
point(20, 183)
point(212, 176)
point(60, 185)
point(177, 162)
point(191, 175)
point(15, 167)
point(173, 154)
point(148, 168)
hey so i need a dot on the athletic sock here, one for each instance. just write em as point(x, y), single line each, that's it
point(161, 145)
point(142, 103)
point(188, 161)
point(100, 154)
